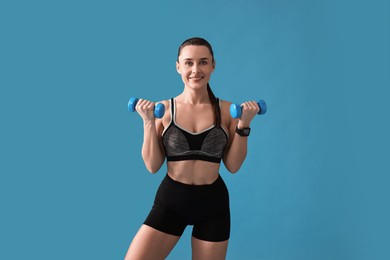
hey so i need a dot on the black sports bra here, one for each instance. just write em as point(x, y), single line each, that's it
point(180, 144)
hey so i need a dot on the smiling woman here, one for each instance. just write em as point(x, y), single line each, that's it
point(194, 137)
point(195, 66)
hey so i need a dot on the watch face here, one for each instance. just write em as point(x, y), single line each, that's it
point(246, 131)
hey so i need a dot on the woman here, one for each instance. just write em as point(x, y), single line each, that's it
point(195, 134)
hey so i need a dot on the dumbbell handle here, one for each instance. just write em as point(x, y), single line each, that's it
point(159, 109)
point(236, 109)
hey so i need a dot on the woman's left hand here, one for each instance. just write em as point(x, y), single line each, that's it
point(249, 111)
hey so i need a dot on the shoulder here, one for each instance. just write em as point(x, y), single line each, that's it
point(225, 105)
point(165, 120)
point(227, 120)
point(166, 103)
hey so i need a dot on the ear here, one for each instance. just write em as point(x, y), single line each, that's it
point(178, 67)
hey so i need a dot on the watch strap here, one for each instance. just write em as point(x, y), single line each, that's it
point(243, 131)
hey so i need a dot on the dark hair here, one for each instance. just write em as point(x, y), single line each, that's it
point(197, 41)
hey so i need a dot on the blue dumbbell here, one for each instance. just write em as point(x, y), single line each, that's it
point(159, 109)
point(236, 109)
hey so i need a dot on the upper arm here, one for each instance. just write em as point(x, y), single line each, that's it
point(162, 123)
point(228, 122)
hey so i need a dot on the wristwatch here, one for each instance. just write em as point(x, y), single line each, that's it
point(244, 131)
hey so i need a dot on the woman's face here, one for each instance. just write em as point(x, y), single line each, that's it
point(195, 66)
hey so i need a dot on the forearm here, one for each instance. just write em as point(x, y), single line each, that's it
point(237, 152)
point(152, 153)
point(236, 155)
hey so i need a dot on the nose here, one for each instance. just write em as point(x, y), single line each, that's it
point(195, 69)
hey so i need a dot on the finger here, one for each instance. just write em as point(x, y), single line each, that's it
point(139, 105)
point(249, 106)
point(255, 106)
point(144, 105)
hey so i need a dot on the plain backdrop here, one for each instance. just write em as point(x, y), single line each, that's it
point(315, 182)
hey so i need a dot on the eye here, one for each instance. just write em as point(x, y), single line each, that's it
point(188, 63)
point(203, 62)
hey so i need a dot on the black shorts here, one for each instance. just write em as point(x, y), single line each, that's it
point(206, 207)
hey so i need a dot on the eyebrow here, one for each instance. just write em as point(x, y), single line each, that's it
point(199, 59)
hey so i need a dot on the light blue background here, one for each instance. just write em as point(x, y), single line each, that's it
point(314, 184)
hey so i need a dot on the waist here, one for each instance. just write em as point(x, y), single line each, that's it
point(215, 182)
point(193, 172)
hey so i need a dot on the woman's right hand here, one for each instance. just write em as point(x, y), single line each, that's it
point(145, 109)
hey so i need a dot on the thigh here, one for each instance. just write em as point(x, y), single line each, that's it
point(149, 243)
point(216, 229)
point(206, 250)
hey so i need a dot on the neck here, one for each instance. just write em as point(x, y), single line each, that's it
point(194, 97)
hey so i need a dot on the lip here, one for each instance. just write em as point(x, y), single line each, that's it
point(196, 78)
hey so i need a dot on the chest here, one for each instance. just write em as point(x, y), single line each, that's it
point(194, 118)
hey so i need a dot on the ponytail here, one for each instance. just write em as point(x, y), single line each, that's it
point(215, 104)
